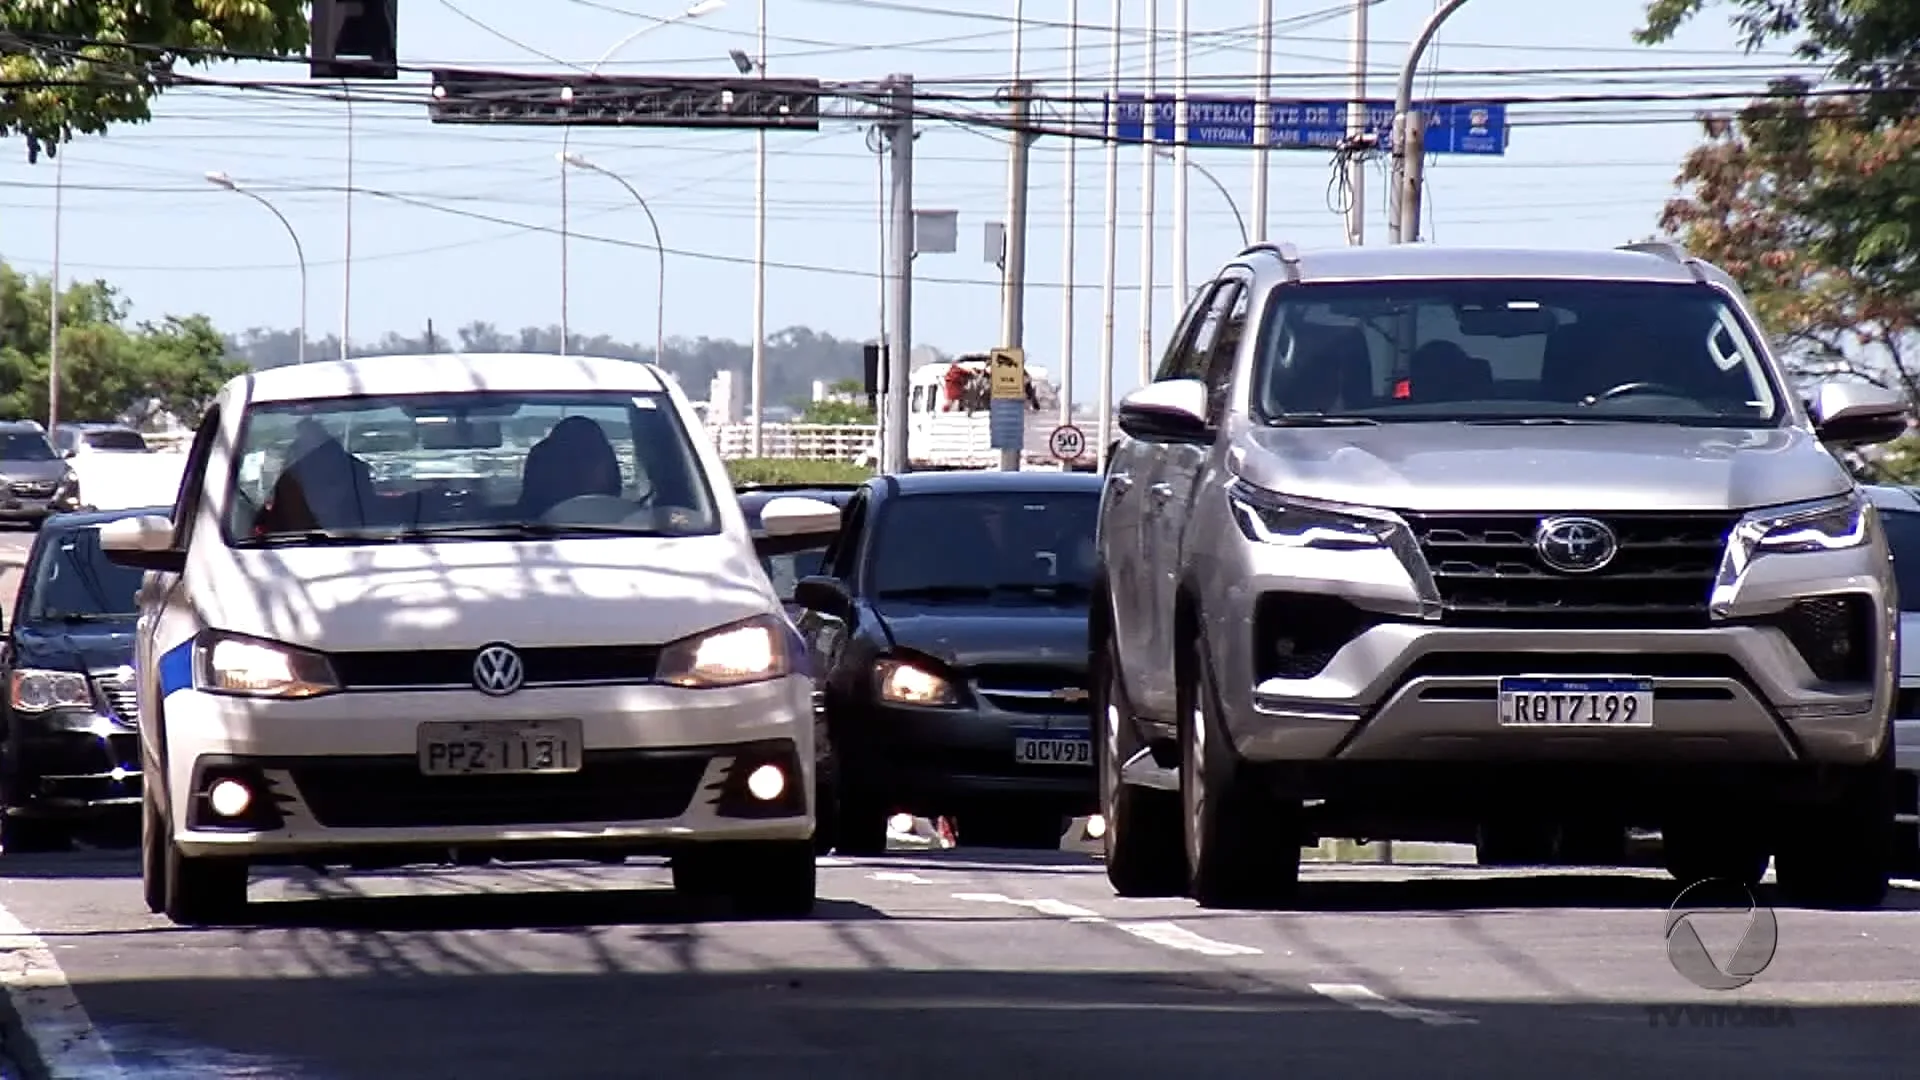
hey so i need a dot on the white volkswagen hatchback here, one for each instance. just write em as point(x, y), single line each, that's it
point(449, 609)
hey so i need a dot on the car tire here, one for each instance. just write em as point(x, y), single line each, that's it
point(202, 891)
point(153, 852)
point(1145, 852)
point(860, 827)
point(34, 836)
point(1242, 841)
point(1840, 855)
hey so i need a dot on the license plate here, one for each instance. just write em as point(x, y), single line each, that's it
point(1052, 748)
point(498, 747)
point(1606, 701)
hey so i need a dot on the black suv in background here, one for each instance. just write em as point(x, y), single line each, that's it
point(69, 746)
point(948, 633)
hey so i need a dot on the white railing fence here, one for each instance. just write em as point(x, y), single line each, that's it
point(809, 442)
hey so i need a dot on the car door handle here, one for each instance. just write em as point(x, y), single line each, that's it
point(1161, 491)
point(1121, 482)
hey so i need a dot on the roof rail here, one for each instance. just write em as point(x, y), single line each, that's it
point(1672, 252)
point(1289, 256)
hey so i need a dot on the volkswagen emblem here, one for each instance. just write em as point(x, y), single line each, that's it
point(497, 671)
point(1575, 545)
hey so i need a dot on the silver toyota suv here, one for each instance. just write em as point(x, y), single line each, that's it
point(1521, 548)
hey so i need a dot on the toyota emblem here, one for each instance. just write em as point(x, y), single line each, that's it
point(497, 671)
point(1575, 545)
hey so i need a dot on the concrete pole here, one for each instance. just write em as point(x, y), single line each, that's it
point(53, 304)
point(1182, 125)
point(757, 393)
point(1072, 170)
point(1263, 122)
point(900, 349)
point(1356, 171)
point(1110, 238)
point(1409, 133)
point(1013, 301)
point(1149, 169)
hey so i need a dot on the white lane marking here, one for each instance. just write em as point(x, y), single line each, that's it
point(903, 876)
point(1905, 883)
point(1043, 906)
point(1360, 997)
point(1174, 936)
point(60, 1029)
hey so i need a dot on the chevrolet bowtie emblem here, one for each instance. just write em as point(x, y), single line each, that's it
point(1071, 693)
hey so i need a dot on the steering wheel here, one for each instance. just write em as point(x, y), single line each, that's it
point(1642, 387)
point(589, 509)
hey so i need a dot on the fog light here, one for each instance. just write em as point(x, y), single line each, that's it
point(766, 783)
point(229, 798)
point(1096, 827)
point(900, 823)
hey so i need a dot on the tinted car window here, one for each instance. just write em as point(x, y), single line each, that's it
point(1903, 536)
point(74, 580)
point(115, 440)
point(1505, 349)
point(467, 465)
point(786, 569)
point(24, 446)
point(986, 540)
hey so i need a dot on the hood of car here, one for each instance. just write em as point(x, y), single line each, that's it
point(969, 637)
point(1546, 467)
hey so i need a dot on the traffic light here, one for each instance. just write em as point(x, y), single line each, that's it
point(354, 39)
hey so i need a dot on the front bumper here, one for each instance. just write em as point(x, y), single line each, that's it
point(661, 767)
point(30, 508)
point(1413, 683)
point(70, 763)
point(941, 760)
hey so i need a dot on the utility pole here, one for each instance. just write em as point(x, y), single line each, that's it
point(758, 374)
point(1149, 167)
point(899, 353)
point(1410, 133)
point(346, 263)
point(1263, 121)
point(1109, 240)
point(1013, 284)
point(1353, 165)
point(1182, 124)
point(1072, 170)
point(432, 346)
point(53, 306)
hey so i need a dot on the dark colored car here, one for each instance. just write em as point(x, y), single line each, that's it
point(788, 559)
point(948, 631)
point(70, 752)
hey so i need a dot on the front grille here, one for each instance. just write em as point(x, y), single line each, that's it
point(118, 691)
point(1488, 573)
point(454, 667)
point(390, 791)
point(1039, 689)
point(32, 489)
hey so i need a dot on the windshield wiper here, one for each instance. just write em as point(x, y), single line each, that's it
point(71, 618)
point(1321, 420)
point(1046, 589)
point(1529, 421)
point(936, 592)
point(516, 529)
point(312, 538)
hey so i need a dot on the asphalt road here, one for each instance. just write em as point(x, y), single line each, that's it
point(937, 964)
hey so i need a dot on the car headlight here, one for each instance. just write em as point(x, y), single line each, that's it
point(1273, 519)
point(745, 652)
point(255, 667)
point(37, 690)
point(1830, 526)
point(903, 682)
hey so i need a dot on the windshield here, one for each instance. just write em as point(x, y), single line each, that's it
point(1903, 538)
point(979, 545)
point(25, 446)
point(114, 440)
point(1511, 351)
point(74, 582)
point(470, 465)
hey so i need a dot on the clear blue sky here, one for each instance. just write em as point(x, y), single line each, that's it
point(138, 212)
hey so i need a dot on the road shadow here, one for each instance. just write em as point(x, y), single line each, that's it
point(388, 1017)
point(1451, 889)
point(338, 908)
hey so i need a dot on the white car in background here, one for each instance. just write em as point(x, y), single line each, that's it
point(584, 660)
point(1900, 516)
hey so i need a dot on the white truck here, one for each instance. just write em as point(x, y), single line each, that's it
point(948, 417)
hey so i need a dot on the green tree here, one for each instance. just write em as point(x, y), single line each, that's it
point(75, 67)
point(832, 411)
point(109, 369)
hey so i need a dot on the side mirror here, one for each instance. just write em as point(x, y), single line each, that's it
point(826, 595)
point(1858, 414)
point(143, 542)
point(1174, 410)
point(792, 515)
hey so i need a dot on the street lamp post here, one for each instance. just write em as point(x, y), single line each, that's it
point(1219, 187)
point(659, 247)
point(699, 9)
point(1409, 134)
point(220, 179)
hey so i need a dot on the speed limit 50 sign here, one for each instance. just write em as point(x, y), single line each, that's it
point(1067, 443)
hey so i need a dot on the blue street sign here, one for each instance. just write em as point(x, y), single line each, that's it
point(1453, 127)
point(1007, 424)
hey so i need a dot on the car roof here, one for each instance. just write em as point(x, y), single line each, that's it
point(434, 373)
point(1433, 262)
point(22, 425)
point(82, 519)
point(971, 481)
point(1893, 497)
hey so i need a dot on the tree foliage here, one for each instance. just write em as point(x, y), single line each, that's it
point(110, 368)
point(75, 67)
